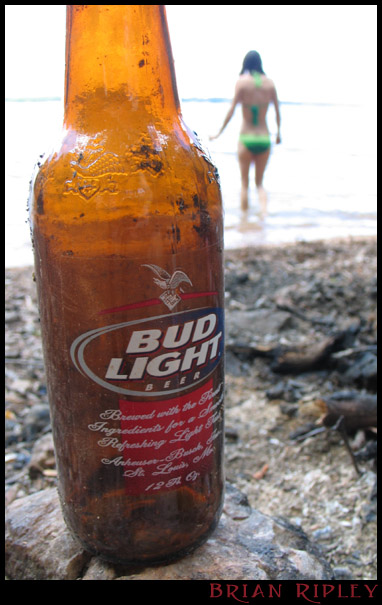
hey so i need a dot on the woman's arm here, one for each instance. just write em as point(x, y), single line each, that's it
point(230, 113)
point(278, 116)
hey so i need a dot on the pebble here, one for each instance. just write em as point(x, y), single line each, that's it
point(324, 533)
point(342, 573)
point(36, 421)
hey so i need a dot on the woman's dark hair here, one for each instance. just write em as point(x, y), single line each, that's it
point(252, 62)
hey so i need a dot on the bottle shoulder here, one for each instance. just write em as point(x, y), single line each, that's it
point(93, 189)
point(86, 164)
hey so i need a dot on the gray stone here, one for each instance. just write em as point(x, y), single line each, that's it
point(241, 324)
point(38, 545)
point(246, 545)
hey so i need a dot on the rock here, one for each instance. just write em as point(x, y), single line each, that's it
point(262, 325)
point(38, 545)
point(363, 371)
point(247, 544)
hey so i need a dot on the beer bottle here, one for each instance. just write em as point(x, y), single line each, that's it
point(126, 221)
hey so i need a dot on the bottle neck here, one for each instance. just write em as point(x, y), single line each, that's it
point(119, 67)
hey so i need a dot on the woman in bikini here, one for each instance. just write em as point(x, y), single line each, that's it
point(255, 91)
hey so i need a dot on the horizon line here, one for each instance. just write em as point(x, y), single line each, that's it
point(186, 100)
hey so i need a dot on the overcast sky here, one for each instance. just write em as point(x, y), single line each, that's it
point(317, 53)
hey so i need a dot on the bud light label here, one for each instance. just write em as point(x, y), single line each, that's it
point(155, 356)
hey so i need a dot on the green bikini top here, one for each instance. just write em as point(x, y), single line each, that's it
point(255, 108)
point(257, 79)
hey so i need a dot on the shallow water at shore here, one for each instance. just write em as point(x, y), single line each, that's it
point(319, 187)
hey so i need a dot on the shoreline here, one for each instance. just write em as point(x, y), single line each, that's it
point(324, 242)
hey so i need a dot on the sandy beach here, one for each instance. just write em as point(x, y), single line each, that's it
point(310, 304)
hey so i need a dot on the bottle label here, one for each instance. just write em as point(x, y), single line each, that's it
point(168, 407)
point(164, 354)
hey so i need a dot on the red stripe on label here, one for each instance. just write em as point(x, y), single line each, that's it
point(145, 303)
point(153, 301)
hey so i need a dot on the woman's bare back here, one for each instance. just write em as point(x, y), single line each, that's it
point(255, 94)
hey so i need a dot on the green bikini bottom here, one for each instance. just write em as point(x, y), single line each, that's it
point(256, 143)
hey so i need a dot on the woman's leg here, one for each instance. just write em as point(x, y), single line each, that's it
point(245, 158)
point(261, 160)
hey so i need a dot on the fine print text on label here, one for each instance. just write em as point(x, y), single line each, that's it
point(161, 445)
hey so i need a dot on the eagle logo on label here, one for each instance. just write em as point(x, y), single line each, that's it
point(170, 284)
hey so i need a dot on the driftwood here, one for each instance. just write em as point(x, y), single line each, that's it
point(304, 357)
point(312, 356)
point(349, 410)
point(251, 351)
point(345, 412)
point(359, 411)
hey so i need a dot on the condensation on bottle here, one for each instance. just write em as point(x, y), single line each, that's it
point(127, 228)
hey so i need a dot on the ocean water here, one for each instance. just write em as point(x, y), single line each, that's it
point(321, 180)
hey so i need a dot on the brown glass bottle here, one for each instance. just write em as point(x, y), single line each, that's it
point(126, 219)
